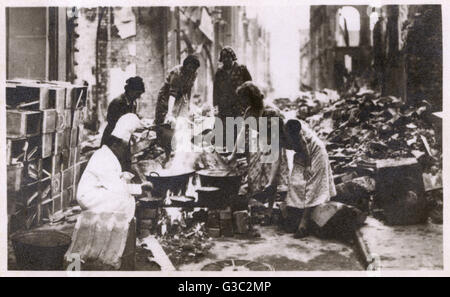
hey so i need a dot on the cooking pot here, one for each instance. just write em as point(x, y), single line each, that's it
point(228, 183)
point(163, 182)
point(211, 197)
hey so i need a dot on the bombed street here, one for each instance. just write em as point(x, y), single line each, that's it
point(225, 138)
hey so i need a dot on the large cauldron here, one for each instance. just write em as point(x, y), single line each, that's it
point(162, 182)
point(227, 182)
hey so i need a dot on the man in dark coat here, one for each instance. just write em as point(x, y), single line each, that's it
point(227, 79)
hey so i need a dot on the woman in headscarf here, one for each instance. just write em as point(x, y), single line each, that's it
point(310, 181)
point(265, 175)
point(227, 79)
point(103, 186)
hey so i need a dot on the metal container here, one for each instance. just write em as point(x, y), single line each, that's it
point(40, 249)
point(211, 197)
point(177, 184)
point(228, 183)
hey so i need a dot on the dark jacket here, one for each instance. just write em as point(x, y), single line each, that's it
point(117, 108)
point(224, 93)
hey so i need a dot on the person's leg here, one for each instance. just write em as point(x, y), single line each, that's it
point(303, 226)
point(293, 218)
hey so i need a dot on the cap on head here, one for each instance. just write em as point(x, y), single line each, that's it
point(227, 50)
point(125, 126)
point(135, 83)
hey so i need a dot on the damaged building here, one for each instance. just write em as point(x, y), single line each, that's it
point(359, 148)
point(394, 47)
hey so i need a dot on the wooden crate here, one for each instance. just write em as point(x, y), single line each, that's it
point(67, 119)
point(60, 121)
point(77, 117)
point(67, 178)
point(46, 209)
point(56, 184)
point(49, 118)
point(58, 143)
point(79, 97)
point(47, 144)
point(56, 164)
point(47, 167)
point(34, 150)
point(74, 137)
point(66, 141)
point(65, 157)
point(58, 95)
point(74, 156)
point(67, 195)
point(11, 203)
point(30, 195)
point(56, 204)
point(33, 97)
point(14, 177)
point(32, 171)
point(11, 95)
point(69, 94)
point(20, 124)
point(15, 150)
point(46, 191)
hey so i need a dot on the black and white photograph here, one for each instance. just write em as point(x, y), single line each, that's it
point(161, 139)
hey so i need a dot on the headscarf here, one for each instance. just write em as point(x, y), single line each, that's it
point(227, 50)
point(250, 91)
point(125, 126)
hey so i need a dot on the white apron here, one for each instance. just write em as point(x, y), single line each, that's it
point(312, 188)
point(102, 189)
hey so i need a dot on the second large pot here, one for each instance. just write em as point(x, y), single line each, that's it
point(229, 184)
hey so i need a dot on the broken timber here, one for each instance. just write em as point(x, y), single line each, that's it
point(159, 256)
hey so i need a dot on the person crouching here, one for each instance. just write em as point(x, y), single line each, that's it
point(310, 181)
point(103, 187)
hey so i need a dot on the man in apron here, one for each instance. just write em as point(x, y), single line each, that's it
point(174, 99)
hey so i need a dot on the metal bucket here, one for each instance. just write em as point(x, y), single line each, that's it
point(40, 249)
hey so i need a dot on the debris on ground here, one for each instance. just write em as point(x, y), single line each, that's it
point(362, 128)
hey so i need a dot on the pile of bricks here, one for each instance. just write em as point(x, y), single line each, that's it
point(44, 128)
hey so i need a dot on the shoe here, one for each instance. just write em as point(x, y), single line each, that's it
point(301, 233)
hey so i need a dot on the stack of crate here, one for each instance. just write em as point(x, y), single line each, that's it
point(44, 128)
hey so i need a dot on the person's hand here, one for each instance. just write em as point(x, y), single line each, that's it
point(307, 173)
point(147, 186)
point(127, 176)
point(231, 158)
point(270, 190)
point(146, 123)
point(170, 119)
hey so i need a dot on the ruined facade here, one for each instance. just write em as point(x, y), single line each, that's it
point(328, 47)
point(397, 50)
point(116, 43)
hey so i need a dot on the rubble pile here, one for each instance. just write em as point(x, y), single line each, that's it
point(184, 239)
point(363, 128)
